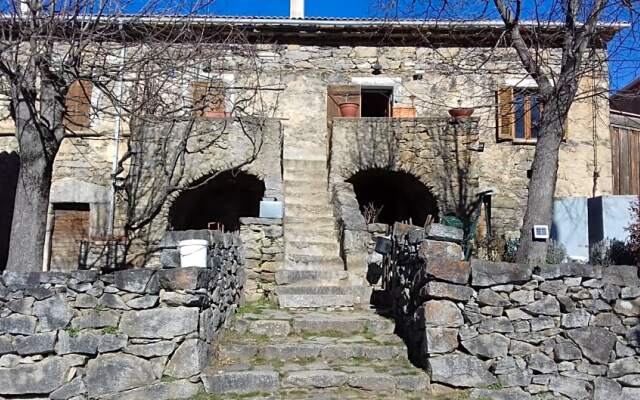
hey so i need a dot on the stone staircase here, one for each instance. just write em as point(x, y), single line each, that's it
point(313, 274)
point(304, 354)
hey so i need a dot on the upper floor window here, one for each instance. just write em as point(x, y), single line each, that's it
point(209, 99)
point(519, 113)
point(78, 105)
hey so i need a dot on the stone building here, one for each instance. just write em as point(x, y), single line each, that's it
point(401, 154)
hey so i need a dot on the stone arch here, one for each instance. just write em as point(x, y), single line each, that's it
point(399, 195)
point(223, 198)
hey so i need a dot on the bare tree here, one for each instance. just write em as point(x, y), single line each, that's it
point(49, 49)
point(557, 43)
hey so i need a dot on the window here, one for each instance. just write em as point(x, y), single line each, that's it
point(78, 105)
point(209, 99)
point(518, 114)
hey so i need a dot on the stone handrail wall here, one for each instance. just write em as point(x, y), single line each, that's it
point(560, 331)
point(132, 334)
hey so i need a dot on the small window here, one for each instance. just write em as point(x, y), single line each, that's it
point(209, 99)
point(78, 105)
point(519, 114)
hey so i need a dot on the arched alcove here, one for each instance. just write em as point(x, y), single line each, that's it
point(401, 196)
point(223, 199)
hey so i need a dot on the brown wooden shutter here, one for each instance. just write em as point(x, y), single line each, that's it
point(78, 105)
point(208, 99)
point(506, 115)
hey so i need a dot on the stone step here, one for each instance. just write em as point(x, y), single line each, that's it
point(310, 210)
point(303, 248)
point(288, 277)
point(306, 262)
point(309, 221)
point(307, 233)
point(315, 296)
point(332, 353)
point(313, 174)
point(352, 382)
point(305, 164)
point(307, 198)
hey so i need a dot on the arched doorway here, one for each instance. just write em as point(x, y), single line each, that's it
point(398, 196)
point(224, 200)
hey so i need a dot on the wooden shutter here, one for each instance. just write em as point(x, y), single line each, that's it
point(506, 114)
point(208, 99)
point(70, 226)
point(337, 94)
point(78, 105)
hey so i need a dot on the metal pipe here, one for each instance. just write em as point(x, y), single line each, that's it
point(296, 10)
point(116, 139)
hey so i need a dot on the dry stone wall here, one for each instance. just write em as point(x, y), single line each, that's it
point(263, 243)
point(133, 334)
point(515, 331)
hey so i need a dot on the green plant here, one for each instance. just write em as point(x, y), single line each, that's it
point(495, 386)
point(612, 252)
point(100, 307)
point(110, 330)
point(633, 244)
point(72, 332)
point(510, 250)
point(556, 253)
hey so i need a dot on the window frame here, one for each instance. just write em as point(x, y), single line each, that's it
point(527, 121)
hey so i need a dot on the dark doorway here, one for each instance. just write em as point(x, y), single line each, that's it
point(9, 169)
point(397, 195)
point(222, 200)
point(376, 102)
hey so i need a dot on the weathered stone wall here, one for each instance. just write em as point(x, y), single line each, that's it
point(435, 151)
point(133, 334)
point(263, 243)
point(557, 331)
point(452, 76)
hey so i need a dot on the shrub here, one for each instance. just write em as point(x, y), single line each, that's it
point(556, 253)
point(612, 252)
point(633, 245)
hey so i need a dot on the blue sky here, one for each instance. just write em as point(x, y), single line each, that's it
point(625, 57)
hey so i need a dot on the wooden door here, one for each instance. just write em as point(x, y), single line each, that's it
point(625, 148)
point(70, 226)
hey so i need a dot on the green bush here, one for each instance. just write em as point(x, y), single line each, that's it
point(556, 253)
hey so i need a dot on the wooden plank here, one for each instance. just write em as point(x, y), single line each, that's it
point(634, 164)
point(78, 105)
point(625, 172)
point(615, 159)
point(70, 226)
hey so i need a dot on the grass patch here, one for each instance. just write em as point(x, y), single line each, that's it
point(495, 386)
point(256, 307)
point(72, 332)
point(110, 330)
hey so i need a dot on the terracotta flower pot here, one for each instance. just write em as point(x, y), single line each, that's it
point(349, 110)
point(461, 112)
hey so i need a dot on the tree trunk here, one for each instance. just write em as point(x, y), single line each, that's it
point(542, 186)
point(31, 204)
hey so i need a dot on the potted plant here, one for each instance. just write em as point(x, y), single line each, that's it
point(460, 112)
point(348, 109)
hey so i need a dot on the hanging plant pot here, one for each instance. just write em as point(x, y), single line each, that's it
point(461, 112)
point(349, 110)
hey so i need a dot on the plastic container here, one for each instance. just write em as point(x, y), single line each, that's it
point(193, 253)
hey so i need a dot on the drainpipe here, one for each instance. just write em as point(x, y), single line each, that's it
point(116, 139)
point(296, 10)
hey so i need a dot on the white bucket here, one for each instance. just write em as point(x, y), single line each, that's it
point(193, 253)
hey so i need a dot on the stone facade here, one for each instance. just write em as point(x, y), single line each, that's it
point(556, 331)
point(298, 76)
point(73, 335)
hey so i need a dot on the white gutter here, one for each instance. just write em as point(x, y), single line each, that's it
point(116, 139)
